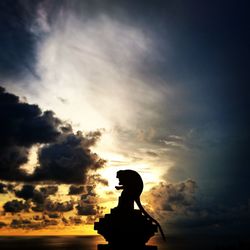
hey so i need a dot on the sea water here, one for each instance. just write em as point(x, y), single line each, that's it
point(91, 242)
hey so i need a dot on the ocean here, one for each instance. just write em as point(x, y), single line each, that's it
point(90, 243)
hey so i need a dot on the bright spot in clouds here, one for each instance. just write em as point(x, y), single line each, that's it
point(90, 75)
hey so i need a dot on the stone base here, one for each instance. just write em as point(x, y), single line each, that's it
point(108, 247)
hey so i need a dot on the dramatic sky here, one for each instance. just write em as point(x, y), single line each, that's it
point(92, 87)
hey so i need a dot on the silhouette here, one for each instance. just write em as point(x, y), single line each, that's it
point(126, 227)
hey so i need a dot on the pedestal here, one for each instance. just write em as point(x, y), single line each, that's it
point(108, 247)
point(129, 230)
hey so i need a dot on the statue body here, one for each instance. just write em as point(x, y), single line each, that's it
point(132, 185)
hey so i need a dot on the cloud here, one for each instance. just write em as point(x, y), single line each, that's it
point(54, 215)
point(72, 220)
point(75, 220)
point(22, 125)
point(18, 43)
point(3, 188)
point(173, 196)
point(28, 192)
point(89, 197)
point(39, 207)
point(49, 190)
point(94, 179)
point(64, 157)
point(75, 190)
point(174, 142)
point(29, 224)
point(56, 206)
point(88, 203)
point(2, 224)
point(17, 223)
point(37, 217)
point(152, 154)
point(53, 206)
point(68, 160)
point(86, 209)
point(15, 206)
point(180, 209)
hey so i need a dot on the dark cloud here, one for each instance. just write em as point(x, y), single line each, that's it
point(75, 220)
point(54, 215)
point(3, 189)
point(20, 223)
point(89, 197)
point(88, 203)
point(174, 196)
point(39, 197)
point(56, 206)
point(180, 209)
point(2, 224)
point(28, 192)
point(15, 206)
point(86, 209)
point(75, 190)
point(72, 220)
point(37, 217)
point(17, 40)
point(66, 157)
point(69, 159)
point(49, 190)
point(216, 219)
point(39, 207)
point(65, 221)
point(53, 206)
point(22, 126)
point(34, 225)
point(50, 222)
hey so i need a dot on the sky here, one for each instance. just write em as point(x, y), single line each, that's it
point(92, 87)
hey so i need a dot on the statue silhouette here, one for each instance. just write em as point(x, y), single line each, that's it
point(126, 227)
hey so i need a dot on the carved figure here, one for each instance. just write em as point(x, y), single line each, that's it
point(132, 185)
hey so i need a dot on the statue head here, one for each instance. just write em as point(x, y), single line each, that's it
point(130, 180)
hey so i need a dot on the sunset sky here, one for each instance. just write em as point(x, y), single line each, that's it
point(92, 87)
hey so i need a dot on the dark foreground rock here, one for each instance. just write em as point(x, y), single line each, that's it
point(126, 230)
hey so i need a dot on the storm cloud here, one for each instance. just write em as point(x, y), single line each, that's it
point(65, 158)
point(22, 126)
point(68, 160)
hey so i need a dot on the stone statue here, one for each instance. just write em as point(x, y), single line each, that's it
point(126, 227)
